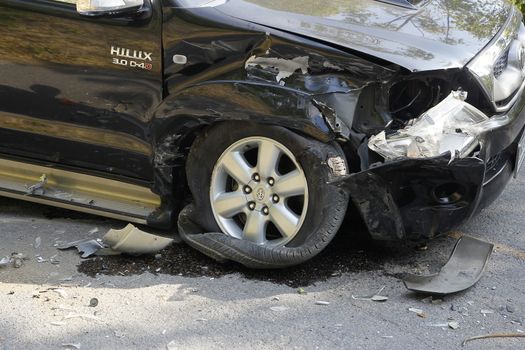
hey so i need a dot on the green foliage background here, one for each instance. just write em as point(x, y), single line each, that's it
point(520, 4)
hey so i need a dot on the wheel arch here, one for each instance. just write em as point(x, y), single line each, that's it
point(181, 117)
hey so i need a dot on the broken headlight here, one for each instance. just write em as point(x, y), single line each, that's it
point(451, 126)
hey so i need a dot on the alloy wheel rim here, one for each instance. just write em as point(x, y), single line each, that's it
point(259, 192)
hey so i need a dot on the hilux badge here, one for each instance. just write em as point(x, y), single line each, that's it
point(131, 58)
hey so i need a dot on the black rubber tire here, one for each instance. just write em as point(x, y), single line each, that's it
point(327, 203)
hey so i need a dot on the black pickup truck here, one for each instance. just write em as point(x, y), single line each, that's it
point(253, 124)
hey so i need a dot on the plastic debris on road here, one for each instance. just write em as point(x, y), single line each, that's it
point(374, 297)
point(129, 240)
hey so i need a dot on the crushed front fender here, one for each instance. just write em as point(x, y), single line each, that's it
point(416, 198)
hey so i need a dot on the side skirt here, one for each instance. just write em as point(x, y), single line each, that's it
point(76, 191)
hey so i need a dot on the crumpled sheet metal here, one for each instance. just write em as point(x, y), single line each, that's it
point(285, 67)
point(129, 240)
point(464, 269)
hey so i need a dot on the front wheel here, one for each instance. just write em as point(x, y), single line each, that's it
point(266, 185)
point(259, 192)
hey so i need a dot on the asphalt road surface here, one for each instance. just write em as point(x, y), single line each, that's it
point(182, 300)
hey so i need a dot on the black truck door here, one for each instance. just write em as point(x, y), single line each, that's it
point(79, 90)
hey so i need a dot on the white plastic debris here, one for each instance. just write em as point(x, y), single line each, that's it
point(442, 325)
point(453, 325)
point(374, 297)
point(38, 242)
point(172, 345)
point(93, 231)
point(62, 293)
point(379, 298)
point(119, 334)
point(487, 312)
point(129, 240)
point(15, 260)
point(279, 308)
point(321, 302)
point(418, 312)
point(5, 261)
point(82, 316)
point(53, 260)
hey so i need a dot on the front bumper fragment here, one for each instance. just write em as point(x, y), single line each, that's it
point(416, 198)
point(464, 269)
point(424, 197)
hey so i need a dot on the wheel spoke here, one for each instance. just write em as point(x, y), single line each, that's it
point(255, 228)
point(285, 220)
point(268, 157)
point(229, 204)
point(246, 198)
point(237, 167)
point(291, 184)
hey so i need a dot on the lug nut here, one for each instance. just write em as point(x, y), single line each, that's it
point(266, 211)
point(275, 198)
point(256, 177)
point(247, 189)
point(271, 181)
point(251, 205)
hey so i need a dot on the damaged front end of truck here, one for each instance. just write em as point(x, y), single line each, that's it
point(423, 176)
point(431, 126)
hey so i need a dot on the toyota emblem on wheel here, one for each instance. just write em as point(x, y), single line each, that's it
point(260, 194)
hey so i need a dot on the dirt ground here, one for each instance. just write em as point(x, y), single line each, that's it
point(179, 299)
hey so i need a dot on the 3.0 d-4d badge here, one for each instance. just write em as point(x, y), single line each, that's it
point(129, 57)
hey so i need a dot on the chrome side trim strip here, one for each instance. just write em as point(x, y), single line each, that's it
point(75, 207)
point(77, 191)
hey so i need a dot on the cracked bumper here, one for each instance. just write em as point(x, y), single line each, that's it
point(422, 198)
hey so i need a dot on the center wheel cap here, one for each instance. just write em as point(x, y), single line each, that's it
point(260, 194)
point(249, 192)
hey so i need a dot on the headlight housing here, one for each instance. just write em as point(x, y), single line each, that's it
point(500, 67)
point(451, 126)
